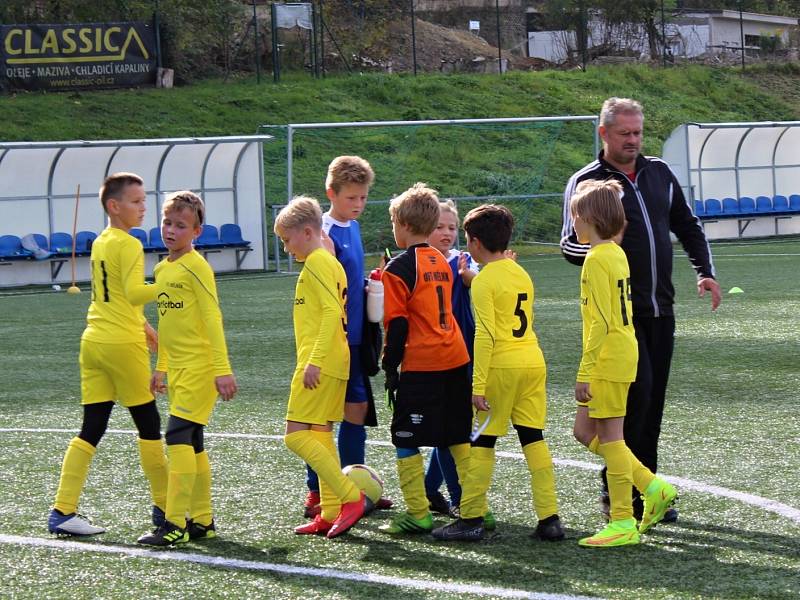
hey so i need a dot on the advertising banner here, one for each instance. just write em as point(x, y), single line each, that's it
point(80, 56)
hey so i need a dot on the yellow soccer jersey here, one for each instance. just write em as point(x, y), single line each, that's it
point(320, 319)
point(116, 314)
point(502, 298)
point(610, 351)
point(190, 331)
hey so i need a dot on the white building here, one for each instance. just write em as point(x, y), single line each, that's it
point(689, 33)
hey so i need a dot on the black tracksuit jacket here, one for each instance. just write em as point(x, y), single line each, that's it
point(654, 205)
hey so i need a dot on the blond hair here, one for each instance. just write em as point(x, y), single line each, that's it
point(448, 206)
point(301, 211)
point(348, 169)
point(114, 186)
point(417, 208)
point(177, 201)
point(599, 203)
point(616, 106)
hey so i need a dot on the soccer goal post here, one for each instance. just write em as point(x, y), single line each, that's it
point(522, 162)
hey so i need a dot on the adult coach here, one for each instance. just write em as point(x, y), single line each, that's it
point(654, 205)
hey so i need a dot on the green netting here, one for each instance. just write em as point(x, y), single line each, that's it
point(523, 165)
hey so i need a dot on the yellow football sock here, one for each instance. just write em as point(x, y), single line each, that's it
point(412, 483)
point(324, 460)
point(594, 445)
point(477, 483)
point(642, 476)
point(329, 503)
point(182, 475)
point(201, 494)
point(74, 470)
point(460, 454)
point(617, 457)
point(543, 480)
point(154, 465)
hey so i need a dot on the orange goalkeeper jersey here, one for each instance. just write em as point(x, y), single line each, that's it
point(417, 286)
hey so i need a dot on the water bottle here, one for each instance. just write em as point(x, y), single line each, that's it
point(375, 297)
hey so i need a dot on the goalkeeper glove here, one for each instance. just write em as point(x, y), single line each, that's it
point(391, 384)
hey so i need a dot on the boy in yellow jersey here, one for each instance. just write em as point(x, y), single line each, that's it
point(114, 361)
point(508, 380)
point(317, 395)
point(193, 356)
point(608, 364)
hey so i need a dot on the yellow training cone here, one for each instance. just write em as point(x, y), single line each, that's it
point(736, 290)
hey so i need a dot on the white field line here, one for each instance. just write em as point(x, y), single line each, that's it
point(250, 565)
point(760, 502)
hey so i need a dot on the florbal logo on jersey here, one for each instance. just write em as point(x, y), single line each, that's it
point(86, 55)
point(164, 303)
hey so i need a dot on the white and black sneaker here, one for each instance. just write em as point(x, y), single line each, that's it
point(71, 524)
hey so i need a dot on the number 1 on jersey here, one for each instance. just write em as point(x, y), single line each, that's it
point(624, 293)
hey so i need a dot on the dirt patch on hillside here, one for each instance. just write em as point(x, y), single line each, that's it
point(437, 49)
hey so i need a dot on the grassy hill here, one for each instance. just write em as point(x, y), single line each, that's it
point(457, 163)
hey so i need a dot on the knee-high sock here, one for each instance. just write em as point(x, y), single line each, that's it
point(312, 481)
point(543, 480)
point(447, 464)
point(182, 475)
point(352, 443)
point(74, 470)
point(477, 483)
point(620, 480)
point(322, 457)
point(201, 494)
point(412, 484)
point(433, 474)
point(642, 476)
point(154, 465)
point(594, 446)
point(329, 502)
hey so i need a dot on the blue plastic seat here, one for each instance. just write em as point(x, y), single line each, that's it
point(230, 234)
point(61, 243)
point(764, 204)
point(11, 247)
point(209, 237)
point(747, 205)
point(713, 207)
point(794, 203)
point(730, 206)
point(83, 242)
point(780, 204)
point(141, 235)
point(41, 241)
point(699, 208)
point(156, 243)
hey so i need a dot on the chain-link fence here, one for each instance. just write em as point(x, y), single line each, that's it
point(225, 37)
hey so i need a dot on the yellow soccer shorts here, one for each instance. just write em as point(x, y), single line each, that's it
point(192, 393)
point(118, 372)
point(609, 399)
point(516, 395)
point(319, 406)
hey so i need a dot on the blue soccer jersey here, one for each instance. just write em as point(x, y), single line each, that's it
point(350, 253)
point(462, 307)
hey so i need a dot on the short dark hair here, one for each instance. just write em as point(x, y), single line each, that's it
point(113, 186)
point(492, 224)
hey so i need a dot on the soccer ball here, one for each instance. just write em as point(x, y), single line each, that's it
point(367, 480)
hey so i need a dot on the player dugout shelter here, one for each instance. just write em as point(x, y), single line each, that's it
point(742, 179)
point(39, 181)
